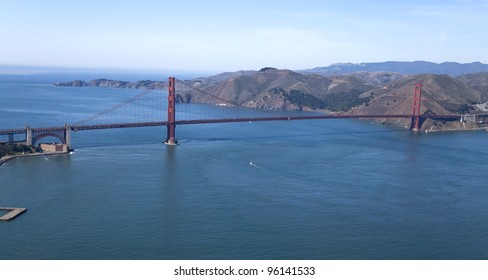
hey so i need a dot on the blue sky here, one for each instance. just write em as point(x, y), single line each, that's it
point(239, 35)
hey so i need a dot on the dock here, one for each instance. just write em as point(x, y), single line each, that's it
point(12, 213)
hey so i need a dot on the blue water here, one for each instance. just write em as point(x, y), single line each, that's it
point(330, 189)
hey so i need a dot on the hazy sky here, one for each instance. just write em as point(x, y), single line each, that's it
point(231, 35)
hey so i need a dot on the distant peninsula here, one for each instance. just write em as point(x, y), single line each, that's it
point(144, 84)
point(402, 67)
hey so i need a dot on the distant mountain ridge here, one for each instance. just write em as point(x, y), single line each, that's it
point(415, 67)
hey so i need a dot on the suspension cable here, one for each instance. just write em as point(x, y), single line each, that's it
point(127, 101)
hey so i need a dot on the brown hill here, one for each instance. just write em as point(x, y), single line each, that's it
point(377, 78)
point(441, 95)
point(271, 88)
point(477, 81)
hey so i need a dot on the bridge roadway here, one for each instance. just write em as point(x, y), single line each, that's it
point(257, 119)
point(22, 130)
point(12, 131)
point(318, 117)
point(229, 120)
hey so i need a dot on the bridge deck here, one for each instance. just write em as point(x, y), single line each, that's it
point(231, 120)
point(319, 117)
point(12, 131)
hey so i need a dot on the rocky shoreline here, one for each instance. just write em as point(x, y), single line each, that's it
point(5, 159)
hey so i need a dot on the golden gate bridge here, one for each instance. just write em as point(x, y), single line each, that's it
point(30, 136)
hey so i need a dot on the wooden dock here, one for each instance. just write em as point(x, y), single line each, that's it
point(12, 213)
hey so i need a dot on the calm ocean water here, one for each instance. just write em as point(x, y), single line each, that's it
point(331, 189)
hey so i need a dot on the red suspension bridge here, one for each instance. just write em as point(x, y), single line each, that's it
point(31, 136)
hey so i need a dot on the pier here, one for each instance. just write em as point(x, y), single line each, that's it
point(12, 213)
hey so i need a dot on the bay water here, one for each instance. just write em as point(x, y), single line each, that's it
point(319, 189)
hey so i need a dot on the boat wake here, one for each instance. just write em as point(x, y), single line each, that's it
point(253, 164)
point(267, 169)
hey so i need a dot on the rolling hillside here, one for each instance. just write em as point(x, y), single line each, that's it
point(271, 88)
point(477, 81)
point(441, 95)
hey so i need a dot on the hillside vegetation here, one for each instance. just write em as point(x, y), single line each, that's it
point(7, 149)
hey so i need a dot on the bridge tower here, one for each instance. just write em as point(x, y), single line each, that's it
point(28, 136)
point(170, 136)
point(415, 125)
point(67, 136)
